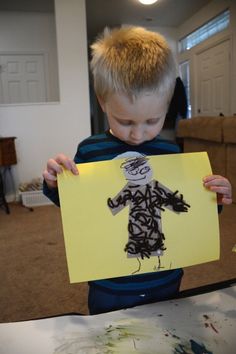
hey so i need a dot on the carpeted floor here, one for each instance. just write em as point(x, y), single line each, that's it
point(34, 278)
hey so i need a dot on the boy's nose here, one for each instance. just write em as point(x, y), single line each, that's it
point(137, 133)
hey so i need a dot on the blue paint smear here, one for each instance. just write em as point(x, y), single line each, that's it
point(195, 347)
point(198, 348)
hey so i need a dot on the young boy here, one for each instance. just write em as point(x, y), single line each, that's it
point(134, 77)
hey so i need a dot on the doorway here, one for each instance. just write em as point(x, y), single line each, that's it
point(213, 86)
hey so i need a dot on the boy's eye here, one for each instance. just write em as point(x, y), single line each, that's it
point(125, 123)
point(152, 121)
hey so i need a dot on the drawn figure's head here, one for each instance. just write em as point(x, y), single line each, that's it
point(137, 170)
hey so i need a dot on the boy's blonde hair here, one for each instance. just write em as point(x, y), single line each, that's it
point(132, 60)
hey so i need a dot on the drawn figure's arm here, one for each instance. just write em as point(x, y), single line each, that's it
point(120, 201)
point(176, 202)
point(173, 200)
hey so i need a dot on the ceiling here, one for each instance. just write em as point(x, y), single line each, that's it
point(171, 13)
point(27, 5)
point(101, 13)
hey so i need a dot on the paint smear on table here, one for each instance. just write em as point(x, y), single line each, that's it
point(129, 336)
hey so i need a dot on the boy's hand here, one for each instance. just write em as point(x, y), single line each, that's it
point(54, 167)
point(221, 186)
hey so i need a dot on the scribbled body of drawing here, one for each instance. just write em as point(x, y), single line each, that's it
point(147, 199)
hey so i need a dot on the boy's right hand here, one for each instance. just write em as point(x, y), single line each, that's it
point(54, 167)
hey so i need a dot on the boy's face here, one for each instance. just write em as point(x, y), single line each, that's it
point(138, 121)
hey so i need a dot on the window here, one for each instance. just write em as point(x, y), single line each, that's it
point(184, 74)
point(217, 24)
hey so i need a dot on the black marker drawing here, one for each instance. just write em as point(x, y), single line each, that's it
point(146, 198)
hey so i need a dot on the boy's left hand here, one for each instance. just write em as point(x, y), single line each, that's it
point(221, 186)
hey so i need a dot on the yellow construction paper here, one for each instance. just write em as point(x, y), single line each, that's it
point(95, 239)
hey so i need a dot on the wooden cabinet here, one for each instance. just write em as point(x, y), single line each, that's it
point(7, 151)
point(7, 159)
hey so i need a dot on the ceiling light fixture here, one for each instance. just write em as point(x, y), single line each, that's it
point(147, 2)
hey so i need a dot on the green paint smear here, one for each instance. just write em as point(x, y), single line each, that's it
point(128, 334)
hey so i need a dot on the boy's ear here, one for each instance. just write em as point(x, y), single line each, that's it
point(102, 103)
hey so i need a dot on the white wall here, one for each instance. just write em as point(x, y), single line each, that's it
point(32, 32)
point(43, 130)
point(202, 16)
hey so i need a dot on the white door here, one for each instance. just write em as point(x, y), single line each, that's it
point(22, 78)
point(213, 80)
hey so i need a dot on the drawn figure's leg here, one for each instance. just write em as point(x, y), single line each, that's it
point(159, 254)
point(139, 267)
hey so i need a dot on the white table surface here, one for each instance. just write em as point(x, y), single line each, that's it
point(200, 324)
